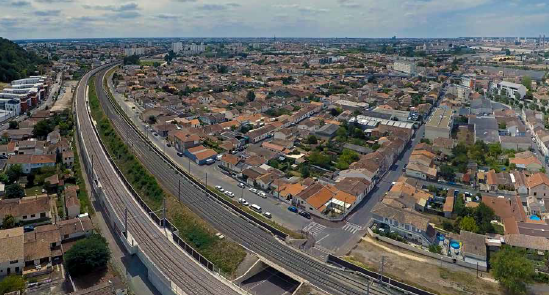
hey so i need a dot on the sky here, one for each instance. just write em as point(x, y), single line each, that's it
point(44, 19)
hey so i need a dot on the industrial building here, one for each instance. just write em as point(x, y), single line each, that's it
point(440, 124)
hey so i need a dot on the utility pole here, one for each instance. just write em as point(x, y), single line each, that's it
point(164, 214)
point(381, 273)
point(179, 189)
point(189, 165)
point(368, 288)
point(126, 221)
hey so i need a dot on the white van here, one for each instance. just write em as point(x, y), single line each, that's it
point(255, 208)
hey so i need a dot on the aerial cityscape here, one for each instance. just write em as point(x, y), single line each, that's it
point(315, 148)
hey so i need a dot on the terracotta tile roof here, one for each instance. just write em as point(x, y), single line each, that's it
point(537, 179)
point(12, 241)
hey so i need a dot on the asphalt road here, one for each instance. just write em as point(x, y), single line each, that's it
point(330, 279)
point(178, 267)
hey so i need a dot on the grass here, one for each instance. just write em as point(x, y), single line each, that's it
point(33, 191)
point(3, 85)
point(225, 254)
point(85, 203)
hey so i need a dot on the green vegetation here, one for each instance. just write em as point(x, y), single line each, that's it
point(131, 60)
point(250, 96)
point(87, 255)
point(17, 63)
point(85, 203)
point(12, 283)
point(527, 82)
point(481, 153)
point(435, 249)
point(346, 158)
point(477, 220)
point(8, 222)
point(63, 120)
point(512, 270)
point(224, 254)
point(14, 191)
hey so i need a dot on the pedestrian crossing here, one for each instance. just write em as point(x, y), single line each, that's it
point(314, 228)
point(351, 227)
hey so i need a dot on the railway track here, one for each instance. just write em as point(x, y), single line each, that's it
point(190, 277)
point(327, 278)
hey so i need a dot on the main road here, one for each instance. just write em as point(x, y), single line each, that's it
point(177, 266)
point(327, 278)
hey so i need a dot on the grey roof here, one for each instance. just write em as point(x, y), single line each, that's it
point(486, 129)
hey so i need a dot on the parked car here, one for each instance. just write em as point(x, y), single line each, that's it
point(219, 157)
point(210, 161)
point(267, 214)
point(292, 209)
point(240, 184)
point(180, 154)
point(262, 194)
point(218, 187)
point(253, 190)
point(28, 228)
point(243, 202)
point(305, 214)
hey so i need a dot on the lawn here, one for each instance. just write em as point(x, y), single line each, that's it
point(33, 191)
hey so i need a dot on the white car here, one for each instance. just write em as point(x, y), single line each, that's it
point(222, 190)
point(267, 214)
point(240, 184)
point(243, 202)
point(228, 193)
point(218, 187)
point(253, 190)
point(262, 194)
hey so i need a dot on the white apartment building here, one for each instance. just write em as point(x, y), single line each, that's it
point(510, 89)
point(407, 67)
point(177, 47)
point(134, 51)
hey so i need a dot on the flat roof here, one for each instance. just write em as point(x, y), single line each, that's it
point(440, 119)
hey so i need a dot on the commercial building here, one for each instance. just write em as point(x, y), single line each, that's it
point(405, 67)
point(440, 124)
point(134, 51)
point(177, 47)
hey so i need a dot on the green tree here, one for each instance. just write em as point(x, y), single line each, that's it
point(12, 283)
point(87, 255)
point(152, 120)
point(8, 222)
point(512, 269)
point(250, 96)
point(14, 172)
point(468, 223)
point(13, 125)
point(14, 191)
point(527, 82)
point(311, 139)
point(43, 128)
point(319, 159)
point(447, 172)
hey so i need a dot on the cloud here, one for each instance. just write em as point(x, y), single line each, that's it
point(19, 3)
point(127, 14)
point(47, 12)
point(54, 1)
point(167, 16)
point(124, 7)
point(311, 10)
point(218, 7)
point(184, 1)
point(348, 4)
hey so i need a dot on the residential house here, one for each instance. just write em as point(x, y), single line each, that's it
point(26, 209)
point(474, 249)
point(184, 140)
point(523, 161)
point(72, 204)
point(200, 154)
point(230, 162)
point(411, 225)
point(260, 134)
point(538, 185)
point(29, 162)
point(68, 158)
point(12, 255)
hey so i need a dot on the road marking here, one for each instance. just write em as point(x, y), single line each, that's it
point(318, 241)
point(351, 227)
point(314, 228)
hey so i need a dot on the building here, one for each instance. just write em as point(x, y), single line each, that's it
point(12, 255)
point(72, 204)
point(407, 67)
point(538, 185)
point(440, 124)
point(30, 162)
point(134, 51)
point(512, 90)
point(409, 224)
point(200, 154)
point(177, 47)
point(27, 209)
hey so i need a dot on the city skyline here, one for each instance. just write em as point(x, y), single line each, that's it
point(325, 18)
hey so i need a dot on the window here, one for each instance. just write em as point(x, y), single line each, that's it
point(33, 215)
point(14, 261)
point(43, 214)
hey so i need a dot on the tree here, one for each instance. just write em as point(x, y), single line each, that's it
point(250, 96)
point(311, 139)
point(13, 125)
point(512, 269)
point(12, 283)
point(13, 173)
point(43, 128)
point(8, 222)
point(527, 82)
point(152, 119)
point(447, 172)
point(14, 191)
point(468, 223)
point(87, 255)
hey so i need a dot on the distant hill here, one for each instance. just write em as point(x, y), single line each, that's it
point(16, 63)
